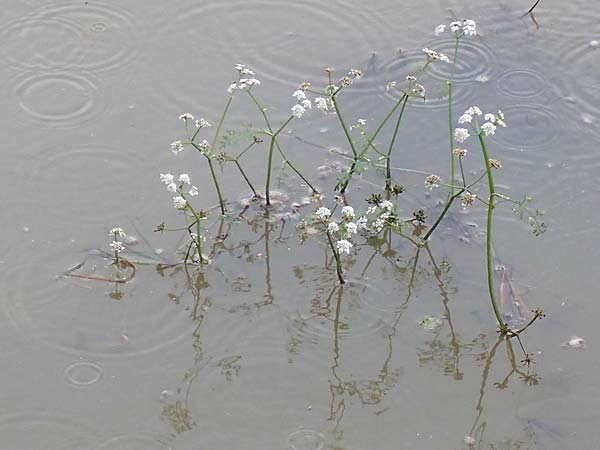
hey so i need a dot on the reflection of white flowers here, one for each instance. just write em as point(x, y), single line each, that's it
point(344, 246)
point(185, 178)
point(193, 191)
point(186, 116)
point(461, 134)
point(172, 187)
point(439, 29)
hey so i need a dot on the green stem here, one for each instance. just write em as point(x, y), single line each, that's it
point(245, 177)
point(221, 120)
point(269, 165)
point(216, 183)
point(214, 176)
point(344, 185)
point(490, 273)
point(448, 203)
point(268, 123)
point(450, 125)
point(388, 171)
point(338, 261)
point(270, 159)
point(442, 214)
point(287, 161)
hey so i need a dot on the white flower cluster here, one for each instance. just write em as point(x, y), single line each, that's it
point(179, 202)
point(492, 121)
point(342, 230)
point(376, 217)
point(117, 231)
point(432, 181)
point(244, 83)
point(432, 55)
point(116, 246)
point(176, 147)
point(467, 27)
point(303, 103)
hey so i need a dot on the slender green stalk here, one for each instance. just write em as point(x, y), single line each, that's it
point(287, 161)
point(338, 260)
point(450, 125)
point(296, 171)
point(221, 120)
point(270, 159)
point(245, 177)
point(269, 165)
point(490, 273)
point(442, 214)
point(388, 167)
point(198, 222)
point(448, 203)
point(369, 143)
point(213, 175)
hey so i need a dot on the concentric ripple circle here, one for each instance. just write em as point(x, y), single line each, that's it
point(410, 63)
point(56, 99)
point(83, 373)
point(352, 308)
point(40, 430)
point(277, 54)
point(91, 36)
point(582, 87)
point(305, 439)
point(89, 182)
point(476, 61)
point(529, 127)
point(80, 316)
point(522, 83)
point(137, 441)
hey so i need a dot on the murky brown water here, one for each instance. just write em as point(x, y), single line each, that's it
point(262, 349)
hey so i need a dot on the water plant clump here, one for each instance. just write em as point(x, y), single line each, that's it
point(340, 216)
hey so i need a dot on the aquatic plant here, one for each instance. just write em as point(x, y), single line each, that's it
point(341, 225)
